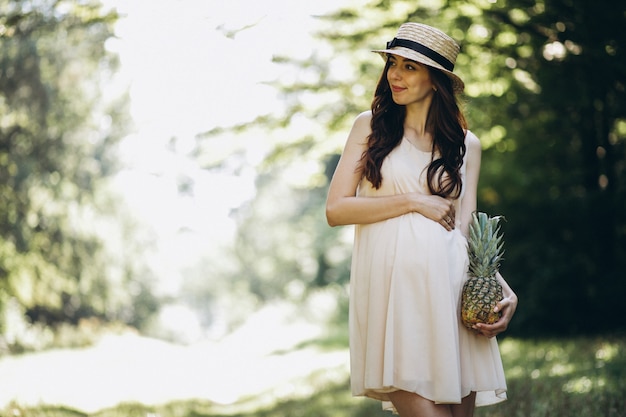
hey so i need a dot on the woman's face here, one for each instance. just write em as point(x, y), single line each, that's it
point(409, 81)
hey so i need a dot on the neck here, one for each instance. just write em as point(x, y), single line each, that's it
point(415, 120)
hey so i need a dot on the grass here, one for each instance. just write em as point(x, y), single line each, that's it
point(576, 377)
point(564, 377)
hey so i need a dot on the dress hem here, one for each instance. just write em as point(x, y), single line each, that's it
point(496, 396)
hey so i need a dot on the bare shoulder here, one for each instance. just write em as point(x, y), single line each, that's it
point(361, 129)
point(472, 143)
point(363, 120)
point(365, 116)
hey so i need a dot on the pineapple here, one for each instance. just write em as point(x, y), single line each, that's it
point(482, 291)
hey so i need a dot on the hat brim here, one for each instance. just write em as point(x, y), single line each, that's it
point(457, 83)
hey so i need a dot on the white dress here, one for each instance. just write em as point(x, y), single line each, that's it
point(406, 279)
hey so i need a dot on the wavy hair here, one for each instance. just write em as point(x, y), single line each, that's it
point(445, 122)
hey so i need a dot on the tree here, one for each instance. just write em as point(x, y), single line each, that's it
point(57, 143)
point(544, 92)
point(564, 180)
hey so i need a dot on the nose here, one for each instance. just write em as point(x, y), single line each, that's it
point(393, 73)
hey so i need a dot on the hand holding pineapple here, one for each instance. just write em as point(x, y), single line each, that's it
point(506, 307)
point(487, 302)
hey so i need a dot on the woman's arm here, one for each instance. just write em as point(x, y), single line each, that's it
point(343, 207)
point(472, 173)
point(468, 206)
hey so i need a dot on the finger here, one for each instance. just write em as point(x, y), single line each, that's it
point(502, 304)
point(447, 223)
point(488, 333)
point(506, 306)
point(452, 211)
point(493, 329)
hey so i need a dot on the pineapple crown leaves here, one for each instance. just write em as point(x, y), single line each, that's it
point(485, 245)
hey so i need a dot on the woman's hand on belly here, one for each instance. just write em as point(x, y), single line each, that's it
point(438, 209)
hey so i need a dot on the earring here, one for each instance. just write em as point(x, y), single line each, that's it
point(434, 89)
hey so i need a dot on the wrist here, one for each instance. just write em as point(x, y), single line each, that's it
point(415, 202)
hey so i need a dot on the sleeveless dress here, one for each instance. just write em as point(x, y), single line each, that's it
point(406, 279)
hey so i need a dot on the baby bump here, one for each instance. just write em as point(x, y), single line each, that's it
point(420, 246)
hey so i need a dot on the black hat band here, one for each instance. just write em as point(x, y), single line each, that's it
point(422, 49)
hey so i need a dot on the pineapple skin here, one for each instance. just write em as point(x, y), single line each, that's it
point(482, 291)
point(479, 298)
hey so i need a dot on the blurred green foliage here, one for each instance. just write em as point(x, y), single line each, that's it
point(58, 134)
point(545, 92)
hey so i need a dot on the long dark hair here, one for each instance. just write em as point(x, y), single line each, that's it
point(445, 122)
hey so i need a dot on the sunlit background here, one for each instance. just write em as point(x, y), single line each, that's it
point(193, 65)
point(199, 274)
point(190, 66)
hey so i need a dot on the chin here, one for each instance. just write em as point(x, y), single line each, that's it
point(398, 101)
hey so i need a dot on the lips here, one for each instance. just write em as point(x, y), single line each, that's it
point(397, 89)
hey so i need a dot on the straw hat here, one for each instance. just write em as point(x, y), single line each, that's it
point(426, 45)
